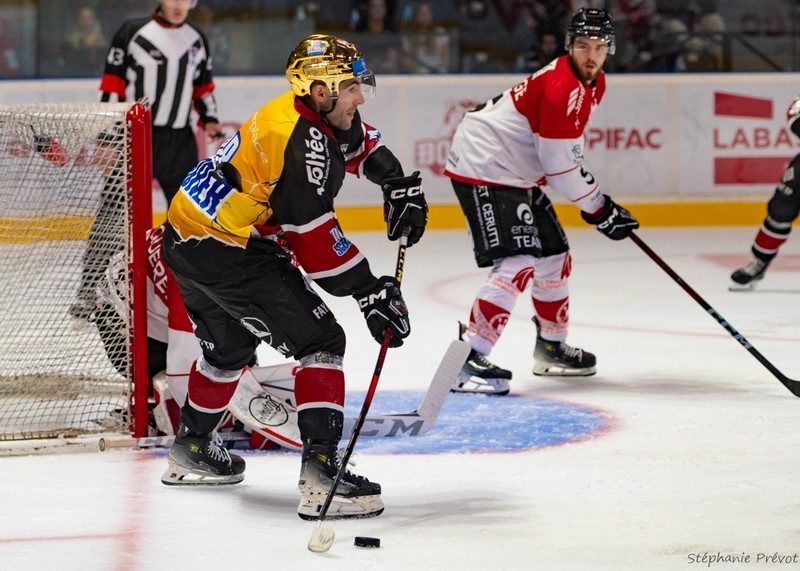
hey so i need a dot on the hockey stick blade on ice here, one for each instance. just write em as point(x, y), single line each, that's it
point(322, 538)
point(420, 421)
point(791, 384)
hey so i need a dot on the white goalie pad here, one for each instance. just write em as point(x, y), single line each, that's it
point(271, 415)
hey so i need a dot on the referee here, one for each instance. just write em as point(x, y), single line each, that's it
point(167, 60)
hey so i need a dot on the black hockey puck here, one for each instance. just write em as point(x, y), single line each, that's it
point(367, 542)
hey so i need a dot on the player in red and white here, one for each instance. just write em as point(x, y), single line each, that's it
point(782, 210)
point(503, 152)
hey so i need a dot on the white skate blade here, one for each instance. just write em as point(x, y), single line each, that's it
point(177, 475)
point(465, 383)
point(557, 370)
point(743, 287)
point(356, 507)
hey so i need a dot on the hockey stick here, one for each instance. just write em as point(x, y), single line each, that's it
point(791, 384)
point(322, 538)
point(420, 421)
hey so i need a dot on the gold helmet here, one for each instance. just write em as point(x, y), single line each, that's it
point(330, 60)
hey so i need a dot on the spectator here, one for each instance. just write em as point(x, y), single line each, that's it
point(85, 45)
point(9, 59)
point(704, 49)
point(425, 45)
point(373, 16)
point(375, 23)
point(218, 38)
point(548, 47)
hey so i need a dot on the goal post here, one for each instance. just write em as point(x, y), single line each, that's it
point(75, 206)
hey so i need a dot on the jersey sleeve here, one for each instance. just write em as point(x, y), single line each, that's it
point(114, 80)
point(205, 102)
point(561, 146)
point(303, 202)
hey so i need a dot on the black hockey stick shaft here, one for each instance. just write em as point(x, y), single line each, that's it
point(376, 375)
point(791, 384)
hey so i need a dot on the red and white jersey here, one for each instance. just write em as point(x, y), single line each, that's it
point(167, 320)
point(532, 135)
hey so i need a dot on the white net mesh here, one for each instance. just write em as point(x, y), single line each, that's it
point(63, 215)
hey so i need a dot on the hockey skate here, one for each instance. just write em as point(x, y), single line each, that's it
point(201, 460)
point(479, 375)
point(746, 278)
point(557, 359)
point(355, 496)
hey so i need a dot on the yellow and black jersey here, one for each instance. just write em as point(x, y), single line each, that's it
point(292, 165)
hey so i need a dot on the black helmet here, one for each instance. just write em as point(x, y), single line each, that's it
point(591, 23)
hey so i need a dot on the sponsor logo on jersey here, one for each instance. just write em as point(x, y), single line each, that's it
point(157, 267)
point(205, 191)
point(340, 243)
point(489, 218)
point(525, 235)
point(317, 159)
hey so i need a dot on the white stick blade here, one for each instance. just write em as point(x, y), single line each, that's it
point(443, 379)
point(321, 538)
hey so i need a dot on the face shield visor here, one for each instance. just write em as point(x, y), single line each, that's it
point(366, 78)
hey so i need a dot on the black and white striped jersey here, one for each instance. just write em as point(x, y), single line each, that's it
point(168, 64)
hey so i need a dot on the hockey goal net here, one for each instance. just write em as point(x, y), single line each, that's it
point(75, 184)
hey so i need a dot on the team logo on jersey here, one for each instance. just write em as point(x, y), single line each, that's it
point(577, 152)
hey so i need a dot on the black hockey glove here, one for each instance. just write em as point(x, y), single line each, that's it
point(613, 220)
point(384, 308)
point(404, 206)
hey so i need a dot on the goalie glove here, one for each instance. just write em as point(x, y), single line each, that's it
point(384, 309)
point(612, 220)
point(404, 206)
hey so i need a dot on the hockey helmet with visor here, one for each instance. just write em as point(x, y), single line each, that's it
point(329, 60)
point(591, 23)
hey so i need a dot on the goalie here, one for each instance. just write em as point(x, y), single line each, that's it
point(172, 348)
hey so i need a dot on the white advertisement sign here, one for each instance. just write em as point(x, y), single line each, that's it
point(653, 138)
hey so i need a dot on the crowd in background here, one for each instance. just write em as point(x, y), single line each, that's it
point(40, 38)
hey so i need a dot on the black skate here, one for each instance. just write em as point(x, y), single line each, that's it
point(479, 375)
point(746, 278)
point(557, 359)
point(201, 460)
point(355, 496)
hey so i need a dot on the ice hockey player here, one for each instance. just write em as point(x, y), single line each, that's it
point(503, 152)
point(782, 211)
point(171, 345)
point(281, 172)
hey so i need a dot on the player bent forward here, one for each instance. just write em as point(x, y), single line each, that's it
point(276, 179)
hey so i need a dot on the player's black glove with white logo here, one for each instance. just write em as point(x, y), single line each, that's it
point(404, 206)
point(384, 308)
point(613, 220)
